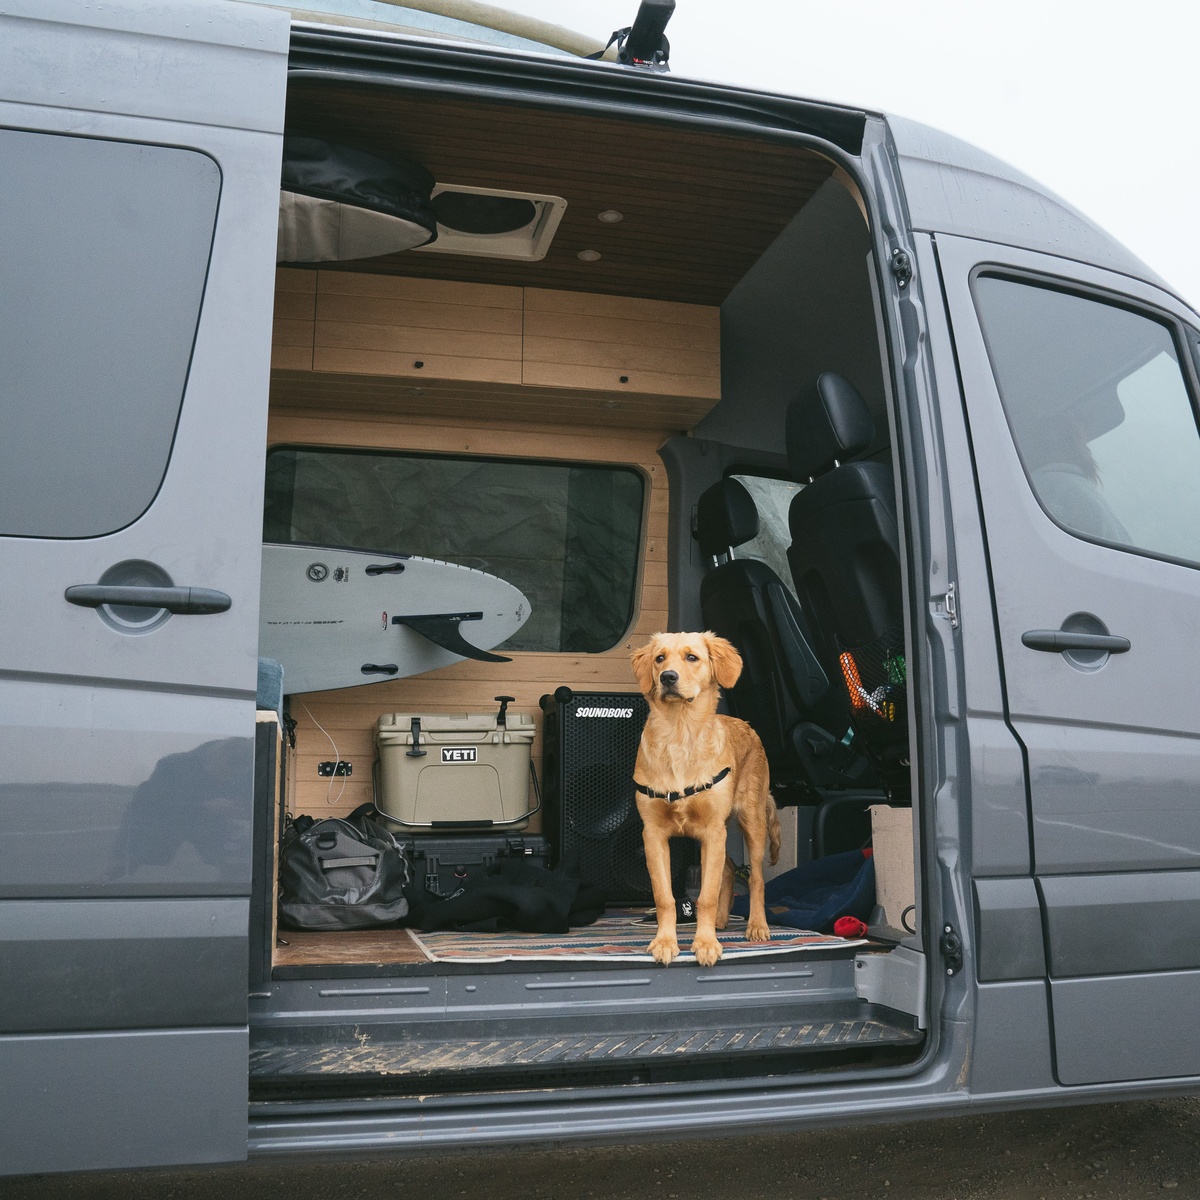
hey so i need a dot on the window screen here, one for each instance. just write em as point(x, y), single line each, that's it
point(568, 536)
point(1100, 412)
point(104, 249)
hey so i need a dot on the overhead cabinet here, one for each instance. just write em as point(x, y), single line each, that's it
point(342, 337)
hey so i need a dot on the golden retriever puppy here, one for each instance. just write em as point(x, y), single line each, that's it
point(695, 768)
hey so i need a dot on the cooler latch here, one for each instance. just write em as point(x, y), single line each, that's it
point(416, 751)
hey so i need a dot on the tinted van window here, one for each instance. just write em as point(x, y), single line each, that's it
point(104, 249)
point(1100, 412)
point(569, 536)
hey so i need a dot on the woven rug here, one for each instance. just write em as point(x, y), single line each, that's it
point(619, 936)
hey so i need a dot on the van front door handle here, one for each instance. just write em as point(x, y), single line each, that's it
point(1057, 640)
point(173, 599)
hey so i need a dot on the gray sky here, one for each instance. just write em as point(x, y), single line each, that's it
point(1097, 100)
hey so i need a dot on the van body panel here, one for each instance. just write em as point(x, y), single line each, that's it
point(113, 790)
point(1011, 1045)
point(954, 187)
point(1008, 923)
point(1133, 921)
point(1119, 1027)
point(96, 1101)
point(1113, 752)
point(127, 758)
point(222, 60)
point(101, 964)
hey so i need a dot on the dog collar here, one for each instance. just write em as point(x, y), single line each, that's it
point(687, 791)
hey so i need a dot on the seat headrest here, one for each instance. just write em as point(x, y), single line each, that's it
point(725, 517)
point(829, 421)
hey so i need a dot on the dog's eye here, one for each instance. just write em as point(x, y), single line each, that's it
point(692, 658)
point(661, 658)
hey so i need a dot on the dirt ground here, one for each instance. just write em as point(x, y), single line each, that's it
point(1131, 1152)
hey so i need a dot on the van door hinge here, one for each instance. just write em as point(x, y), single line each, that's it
point(951, 947)
point(902, 267)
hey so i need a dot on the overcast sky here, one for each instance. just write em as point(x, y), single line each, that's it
point(1099, 100)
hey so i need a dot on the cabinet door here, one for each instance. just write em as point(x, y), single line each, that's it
point(140, 148)
point(1081, 400)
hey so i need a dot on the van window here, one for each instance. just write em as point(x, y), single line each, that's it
point(105, 249)
point(567, 535)
point(772, 498)
point(1100, 413)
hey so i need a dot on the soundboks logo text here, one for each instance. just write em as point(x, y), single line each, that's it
point(604, 712)
point(459, 754)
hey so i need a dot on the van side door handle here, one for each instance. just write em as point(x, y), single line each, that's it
point(173, 599)
point(1057, 640)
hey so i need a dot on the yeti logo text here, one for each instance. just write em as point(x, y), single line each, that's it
point(604, 712)
point(459, 754)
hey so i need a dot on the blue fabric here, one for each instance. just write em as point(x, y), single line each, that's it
point(814, 894)
point(270, 686)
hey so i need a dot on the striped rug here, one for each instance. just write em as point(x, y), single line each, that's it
point(619, 936)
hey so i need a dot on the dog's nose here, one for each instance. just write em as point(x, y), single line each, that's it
point(669, 678)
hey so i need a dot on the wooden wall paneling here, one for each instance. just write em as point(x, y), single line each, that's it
point(295, 311)
point(348, 716)
point(480, 402)
point(417, 328)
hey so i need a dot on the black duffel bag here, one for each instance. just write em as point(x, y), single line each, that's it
point(341, 873)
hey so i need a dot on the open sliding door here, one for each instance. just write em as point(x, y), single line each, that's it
point(139, 167)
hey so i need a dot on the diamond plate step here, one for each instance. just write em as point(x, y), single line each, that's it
point(397, 1060)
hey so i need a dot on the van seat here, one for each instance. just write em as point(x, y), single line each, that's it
point(845, 561)
point(784, 691)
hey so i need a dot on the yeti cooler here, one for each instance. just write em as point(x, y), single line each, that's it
point(454, 770)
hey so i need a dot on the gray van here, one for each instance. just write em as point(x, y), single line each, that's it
point(875, 391)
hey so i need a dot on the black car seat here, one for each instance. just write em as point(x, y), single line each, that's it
point(845, 561)
point(784, 692)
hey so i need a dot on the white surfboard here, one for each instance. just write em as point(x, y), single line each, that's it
point(342, 618)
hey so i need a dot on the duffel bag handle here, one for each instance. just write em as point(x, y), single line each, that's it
point(360, 860)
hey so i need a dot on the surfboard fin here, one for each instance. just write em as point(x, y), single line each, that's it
point(442, 630)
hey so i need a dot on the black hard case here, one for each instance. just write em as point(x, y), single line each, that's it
point(444, 860)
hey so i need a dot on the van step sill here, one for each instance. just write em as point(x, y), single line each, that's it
point(391, 1063)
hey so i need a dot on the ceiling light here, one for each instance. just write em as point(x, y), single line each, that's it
point(610, 216)
point(588, 255)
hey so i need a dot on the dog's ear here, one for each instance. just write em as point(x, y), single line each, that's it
point(726, 661)
point(643, 669)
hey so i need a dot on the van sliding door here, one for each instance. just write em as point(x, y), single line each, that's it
point(1081, 399)
point(139, 177)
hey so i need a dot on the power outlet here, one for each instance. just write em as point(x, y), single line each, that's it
point(328, 770)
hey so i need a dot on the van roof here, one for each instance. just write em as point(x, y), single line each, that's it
point(954, 187)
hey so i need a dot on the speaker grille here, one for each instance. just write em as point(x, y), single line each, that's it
point(592, 745)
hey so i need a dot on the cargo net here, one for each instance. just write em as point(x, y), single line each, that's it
point(876, 680)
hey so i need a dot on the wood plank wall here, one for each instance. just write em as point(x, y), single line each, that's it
point(349, 715)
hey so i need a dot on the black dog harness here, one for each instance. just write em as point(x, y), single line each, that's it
point(687, 791)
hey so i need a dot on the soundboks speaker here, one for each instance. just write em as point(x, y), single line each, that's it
point(590, 742)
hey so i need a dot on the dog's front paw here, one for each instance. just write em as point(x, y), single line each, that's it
point(664, 949)
point(758, 931)
point(707, 950)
